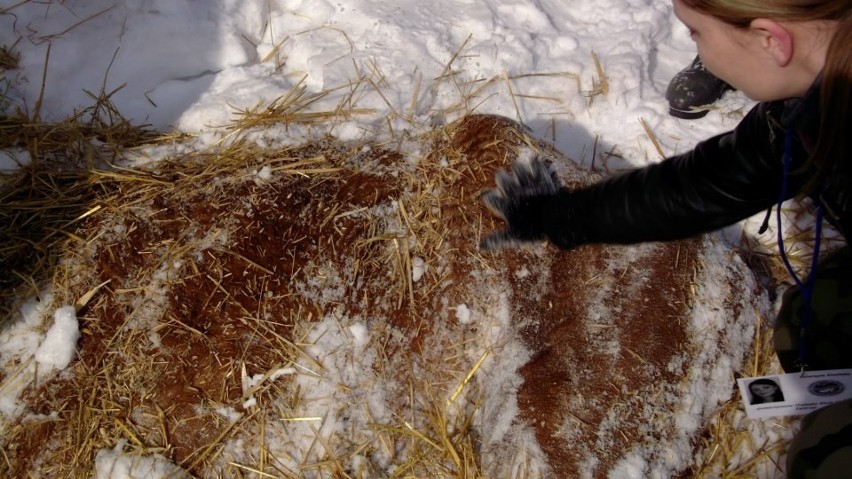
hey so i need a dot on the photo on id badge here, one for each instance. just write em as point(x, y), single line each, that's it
point(765, 390)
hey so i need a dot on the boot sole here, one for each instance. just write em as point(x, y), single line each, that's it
point(688, 114)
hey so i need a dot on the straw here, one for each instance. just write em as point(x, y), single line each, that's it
point(169, 253)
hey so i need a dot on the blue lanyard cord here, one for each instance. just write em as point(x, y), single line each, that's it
point(807, 288)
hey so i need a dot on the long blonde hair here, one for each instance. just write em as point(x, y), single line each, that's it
point(834, 145)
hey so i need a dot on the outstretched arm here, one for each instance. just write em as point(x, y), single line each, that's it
point(723, 180)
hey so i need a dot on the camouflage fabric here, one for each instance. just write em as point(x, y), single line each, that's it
point(828, 341)
point(822, 449)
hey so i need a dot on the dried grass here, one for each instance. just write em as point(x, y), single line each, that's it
point(44, 200)
point(8, 60)
point(729, 448)
point(73, 179)
point(51, 204)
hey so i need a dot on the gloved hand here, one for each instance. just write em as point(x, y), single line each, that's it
point(519, 199)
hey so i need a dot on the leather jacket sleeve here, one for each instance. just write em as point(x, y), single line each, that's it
point(723, 180)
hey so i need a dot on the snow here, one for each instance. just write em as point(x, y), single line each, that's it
point(60, 342)
point(19, 341)
point(463, 314)
point(190, 65)
point(117, 464)
point(418, 269)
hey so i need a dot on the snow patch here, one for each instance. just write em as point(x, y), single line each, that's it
point(60, 343)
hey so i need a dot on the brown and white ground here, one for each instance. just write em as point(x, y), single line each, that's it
point(322, 310)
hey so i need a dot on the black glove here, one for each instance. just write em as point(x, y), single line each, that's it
point(522, 199)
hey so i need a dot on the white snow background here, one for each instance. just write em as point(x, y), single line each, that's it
point(191, 64)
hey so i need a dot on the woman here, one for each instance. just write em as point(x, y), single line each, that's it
point(795, 58)
point(765, 391)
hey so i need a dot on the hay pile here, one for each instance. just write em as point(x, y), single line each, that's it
point(212, 288)
point(206, 275)
point(231, 301)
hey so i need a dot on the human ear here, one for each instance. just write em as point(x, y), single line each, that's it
point(775, 39)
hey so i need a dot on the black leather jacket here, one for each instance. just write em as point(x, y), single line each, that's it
point(725, 179)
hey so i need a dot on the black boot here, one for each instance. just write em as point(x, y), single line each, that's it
point(692, 88)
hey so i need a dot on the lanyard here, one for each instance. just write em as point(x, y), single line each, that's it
point(807, 287)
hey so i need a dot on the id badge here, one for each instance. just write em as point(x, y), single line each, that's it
point(795, 393)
